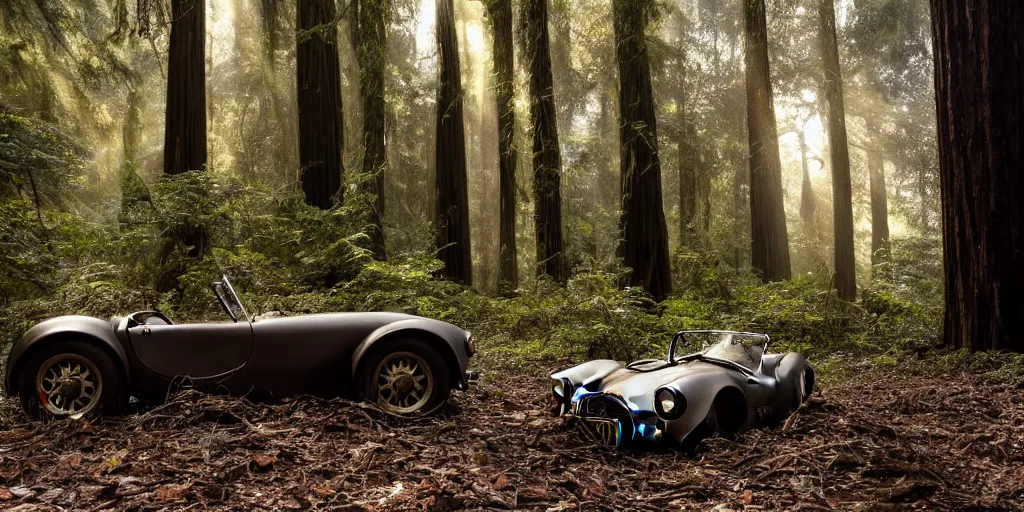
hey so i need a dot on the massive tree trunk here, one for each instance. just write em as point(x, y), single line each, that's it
point(321, 130)
point(372, 55)
point(644, 244)
point(547, 157)
point(185, 124)
point(185, 127)
point(879, 208)
point(452, 216)
point(842, 190)
point(769, 234)
point(979, 58)
point(500, 12)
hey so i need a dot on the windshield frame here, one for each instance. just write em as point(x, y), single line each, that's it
point(681, 336)
point(228, 297)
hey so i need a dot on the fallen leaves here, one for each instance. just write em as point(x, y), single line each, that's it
point(876, 442)
point(262, 461)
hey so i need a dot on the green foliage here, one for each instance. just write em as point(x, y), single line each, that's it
point(24, 260)
point(913, 270)
point(37, 160)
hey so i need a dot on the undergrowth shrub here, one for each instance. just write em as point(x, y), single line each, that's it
point(287, 257)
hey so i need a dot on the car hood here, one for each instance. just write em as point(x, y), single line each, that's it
point(637, 387)
point(334, 327)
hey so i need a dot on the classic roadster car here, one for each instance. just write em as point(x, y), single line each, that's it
point(730, 386)
point(76, 366)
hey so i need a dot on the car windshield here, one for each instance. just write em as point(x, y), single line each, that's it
point(229, 299)
point(741, 348)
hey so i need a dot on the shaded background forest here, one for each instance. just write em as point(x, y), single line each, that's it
point(96, 219)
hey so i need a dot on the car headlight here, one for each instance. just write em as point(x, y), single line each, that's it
point(669, 403)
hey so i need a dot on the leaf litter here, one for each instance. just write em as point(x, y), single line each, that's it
point(884, 441)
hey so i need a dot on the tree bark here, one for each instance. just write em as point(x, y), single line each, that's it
point(979, 76)
point(451, 222)
point(372, 55)
point(500, 12)
point(644, 243)
point(879, 208)
point(547, 157)
point(769, 234)
point(185, 126)
point(321, 131)
point(842, 190)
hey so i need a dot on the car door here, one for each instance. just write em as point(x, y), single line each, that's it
point(195, 350)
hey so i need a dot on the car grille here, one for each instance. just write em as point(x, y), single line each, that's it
point(608, 418)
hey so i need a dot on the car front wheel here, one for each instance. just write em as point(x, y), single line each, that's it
point(69, 380)
point(405, 377)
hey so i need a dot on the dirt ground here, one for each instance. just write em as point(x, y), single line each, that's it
point(873, 442)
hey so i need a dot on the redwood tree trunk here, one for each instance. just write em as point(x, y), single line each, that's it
point(979, 76)
point(500, 12)
point(879, 208)
point(842, 190)
point(321, 130)
point(185, 127)
point(644, 244)
point(547, 157)
point(372, 55)
point(451, 222)
point(768, 231)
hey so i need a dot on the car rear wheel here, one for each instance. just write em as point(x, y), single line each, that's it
point(69, 380)
point(405, 377)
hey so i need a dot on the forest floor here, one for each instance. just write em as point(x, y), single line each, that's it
point(873, 439)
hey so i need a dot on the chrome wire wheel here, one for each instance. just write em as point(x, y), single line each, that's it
point(69, 385)
point(404, 383)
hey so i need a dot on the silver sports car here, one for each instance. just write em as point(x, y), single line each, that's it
point(731, 385)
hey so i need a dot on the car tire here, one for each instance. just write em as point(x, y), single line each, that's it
point(104, 376)
point(404, 358)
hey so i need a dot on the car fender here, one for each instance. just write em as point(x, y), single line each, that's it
point(82, 328)
point(450, 341)
point(787, 374)
point(700, 393)
point(589, 372)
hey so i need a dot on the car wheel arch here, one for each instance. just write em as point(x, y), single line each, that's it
point(787, 374)
point(117, 357)
point(432, 340)
point(731, 410)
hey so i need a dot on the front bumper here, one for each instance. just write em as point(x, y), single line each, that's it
point(613, 423)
